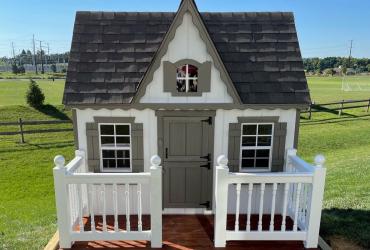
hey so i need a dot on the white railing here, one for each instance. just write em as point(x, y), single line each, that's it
point(82, 197)
point(295, 195)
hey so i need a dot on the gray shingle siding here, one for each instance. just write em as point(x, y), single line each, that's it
point(111, 52)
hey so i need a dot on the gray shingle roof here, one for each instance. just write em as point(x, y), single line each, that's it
point(111, 51)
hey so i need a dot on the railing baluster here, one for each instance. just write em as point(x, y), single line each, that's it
point(285, 204)
point(91, 192)
point(250, 191)
point(296, 206)
point(127, 195)
point(261, 206)
point(139, 209)
point(115, 204)
point(274, 188)
point(104, 208)
point(80, 206)
point(238, 187)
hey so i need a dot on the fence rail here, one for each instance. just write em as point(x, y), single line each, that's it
point(341, 105)
point(21, 123)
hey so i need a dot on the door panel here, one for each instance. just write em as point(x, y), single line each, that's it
point(187, 179)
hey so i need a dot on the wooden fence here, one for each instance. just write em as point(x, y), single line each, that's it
point(337, 106)
point(21, 131)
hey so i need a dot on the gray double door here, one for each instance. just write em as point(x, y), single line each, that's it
point(187, 161)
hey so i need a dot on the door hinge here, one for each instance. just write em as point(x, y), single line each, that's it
point(207, 204)
point(207, 157)
point(208, 165)
point(209, 120)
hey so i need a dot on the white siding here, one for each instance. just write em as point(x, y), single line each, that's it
point(222, 120)
point(187, 44)
point(147, 117)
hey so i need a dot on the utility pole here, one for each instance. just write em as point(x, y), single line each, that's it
point(46, 56)
point(350, 53)
point(42, 61)
point(13, 52)
point(34, 54)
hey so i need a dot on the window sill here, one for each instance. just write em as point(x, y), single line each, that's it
point(185, 94)
point(115, 171)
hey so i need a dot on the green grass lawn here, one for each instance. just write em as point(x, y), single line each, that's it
point(345, 142)
point(27, 75)
point(12, 92)
point(27, 207)
point(329, 89)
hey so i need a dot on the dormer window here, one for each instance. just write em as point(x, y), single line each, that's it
point(187, 78)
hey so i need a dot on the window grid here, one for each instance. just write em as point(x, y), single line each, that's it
point(256, 148)
point(115, 148)
point(187, 78)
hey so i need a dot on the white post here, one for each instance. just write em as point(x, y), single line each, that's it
point(62, 202)
point(156, 201)
point(290, 152)
point(314, 215)
point(221, 189)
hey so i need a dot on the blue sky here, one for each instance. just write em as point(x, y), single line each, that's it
point(325, 27)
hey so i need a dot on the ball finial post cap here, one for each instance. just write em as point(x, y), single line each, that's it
point(222, 161)
point(155, 160)
point(319, 160)
point(59, 161)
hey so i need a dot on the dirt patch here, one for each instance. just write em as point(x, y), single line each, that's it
point(340, 243)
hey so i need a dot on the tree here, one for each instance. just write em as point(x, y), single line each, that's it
point(21, 69)
point(53, 68)
point(329, 71)
point(34, 97)
point(368, 68)
point(14, 68)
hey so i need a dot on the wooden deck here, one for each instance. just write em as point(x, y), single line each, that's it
point(185, 232)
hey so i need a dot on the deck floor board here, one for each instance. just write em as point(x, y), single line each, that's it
point(184, 232)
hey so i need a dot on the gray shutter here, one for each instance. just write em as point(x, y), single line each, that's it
point(93, 154)
point(278, 150)
point(169, 77)
point(204, 77)
point(137, 147)
point(234, 146)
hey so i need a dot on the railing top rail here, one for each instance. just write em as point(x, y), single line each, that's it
point(73, 165)
point(300, 164)
point(270, 177)
point(108, 178)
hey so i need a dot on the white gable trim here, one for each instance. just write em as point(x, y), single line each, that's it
point(187, 44)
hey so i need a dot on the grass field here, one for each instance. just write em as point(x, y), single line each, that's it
point(12, 92)
point(328, 89)
point(27, 209)
point(27, 75)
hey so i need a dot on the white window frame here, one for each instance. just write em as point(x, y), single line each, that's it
point(254, 169)
point(187, 78)
point(101, 148)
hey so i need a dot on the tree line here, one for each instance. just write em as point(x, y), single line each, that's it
point(26, 57)
point(333, 65)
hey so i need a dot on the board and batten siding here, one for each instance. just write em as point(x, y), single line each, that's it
point(222, 119)
point(187, 44)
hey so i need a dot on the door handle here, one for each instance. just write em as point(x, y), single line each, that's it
point(166, 153)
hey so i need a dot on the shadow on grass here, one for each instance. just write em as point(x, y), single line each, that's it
point(350, 224)
point(52, 111)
